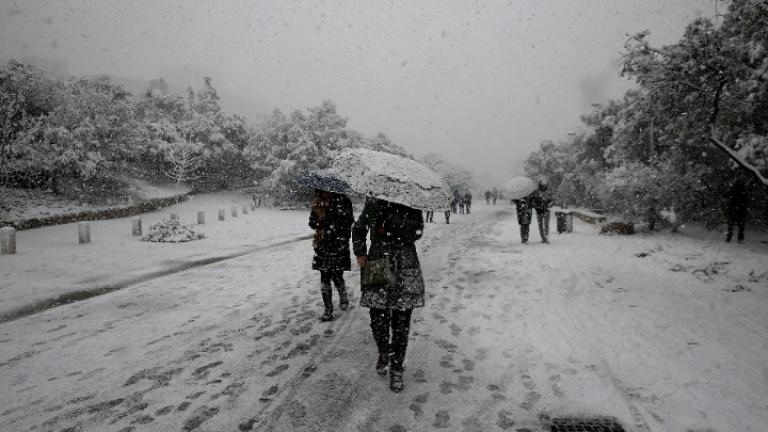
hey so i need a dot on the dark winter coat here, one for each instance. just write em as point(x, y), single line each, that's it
point(523, 207)
point(541, 200)
point(738, 202)
point(393, 229)
point(332, 227)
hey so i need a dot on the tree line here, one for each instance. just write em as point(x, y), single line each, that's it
point(696, 124)
point(81, 136)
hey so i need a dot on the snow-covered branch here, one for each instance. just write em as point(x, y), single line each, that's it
point(713, 138)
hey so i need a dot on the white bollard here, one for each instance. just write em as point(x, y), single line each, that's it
point(234, 211)
point(245, 209)
point(222, 214)
point(136, 226)
point(175, 217)
point(7, 240)
point(84, 232)
point(201, 217)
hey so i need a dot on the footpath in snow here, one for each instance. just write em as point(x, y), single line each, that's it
point(662, 332)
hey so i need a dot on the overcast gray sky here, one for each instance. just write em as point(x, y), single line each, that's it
point(481, 82)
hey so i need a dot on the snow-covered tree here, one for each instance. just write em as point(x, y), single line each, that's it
point(459, 179)
point(382, 143)
point(184, 160)
point(287, 146)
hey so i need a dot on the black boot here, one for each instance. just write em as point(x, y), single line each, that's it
point(343, 299)
point(328, 302)
point(382, 363)
point(396, 381)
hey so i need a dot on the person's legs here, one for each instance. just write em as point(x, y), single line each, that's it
point(338, 280)
point(543, 220)
point(401, 325)
point(327, 294)
point(741, 225)
point(729, 234)
point(524, 232)
point(448, 217)
point(380, 322)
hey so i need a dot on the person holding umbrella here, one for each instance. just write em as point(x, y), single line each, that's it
point(331, 217)
point(519, 190)
point(541, 200)
point(391, 282)
point(393, 230)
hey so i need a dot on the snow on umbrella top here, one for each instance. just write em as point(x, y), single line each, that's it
point(393, 178)
point(519, 187)
point(325, 179)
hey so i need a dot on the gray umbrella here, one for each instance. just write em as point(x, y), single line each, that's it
point(393, 178)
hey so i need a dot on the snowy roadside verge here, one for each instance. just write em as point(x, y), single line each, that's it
point(95, 214)
point(84, 294)
point(50, 263)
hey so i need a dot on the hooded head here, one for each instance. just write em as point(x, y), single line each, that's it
point(543, 184)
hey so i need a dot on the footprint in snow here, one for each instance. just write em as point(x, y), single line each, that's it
point(441, 420)
point(278, 370)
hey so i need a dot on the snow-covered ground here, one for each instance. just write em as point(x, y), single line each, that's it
point(663, 332)
point(49, 261)
point(18, 204)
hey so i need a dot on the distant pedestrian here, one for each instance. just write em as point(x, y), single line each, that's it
point(468, 202)
point(488, 195)
point(392, 284)
point(447, 217)
point(523, 208)
point(541, 200)
point(429, 216)
point(738, 210)
point(331, 218)
point(495, 195)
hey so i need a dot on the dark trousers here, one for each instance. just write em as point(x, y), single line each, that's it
point(740, 224)
point(327, 276)
point(448, 217)
point(430, 216)
point(542, 217)
point(390, 331)
point(524, 232)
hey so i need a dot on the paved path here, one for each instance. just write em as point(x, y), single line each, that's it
point(511, 337)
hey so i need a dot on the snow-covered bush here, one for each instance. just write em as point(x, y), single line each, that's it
point(171, 231)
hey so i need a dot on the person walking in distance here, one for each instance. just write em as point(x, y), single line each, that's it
point(392, 284)
point(495, 195)
point(523, 208)
point(737, 210)
point(541, 201)
point(487, 197)
point(331, 218)
point(468, 202)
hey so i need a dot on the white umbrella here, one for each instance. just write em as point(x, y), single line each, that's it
point(393, 178)
point(519, 187)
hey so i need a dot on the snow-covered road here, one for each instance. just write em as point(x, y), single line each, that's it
point(665, 333)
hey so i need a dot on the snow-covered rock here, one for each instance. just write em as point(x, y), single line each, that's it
point(171, 231)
